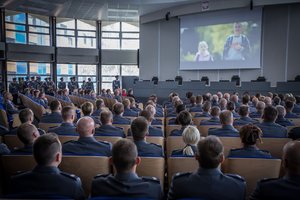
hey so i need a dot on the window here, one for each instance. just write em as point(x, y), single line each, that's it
point(27, 28)
point(120, 35)
point(76, 33)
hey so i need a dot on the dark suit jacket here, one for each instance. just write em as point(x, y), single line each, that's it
point(87, 146)
point(126, 185)
point(46, 181)
point(52, 118)
point(64, 129)
point(207, 184)
point(277, 189)
point(225, 131)
point(272, 130)
point(109, 130)
point(146, 149)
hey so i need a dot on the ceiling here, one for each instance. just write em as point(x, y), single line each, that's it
point(113, 10)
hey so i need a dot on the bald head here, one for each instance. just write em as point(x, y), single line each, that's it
point(291, 157)
point(85, 127)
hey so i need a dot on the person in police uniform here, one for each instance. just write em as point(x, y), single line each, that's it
point(90, 85)
point(208, 182)
point(116, 83)
point(46, 180)
point(62, 85)
point(32, 82)
point(13, 88)
point(87, 144)
point(287, 187)
point(125, 183)
point(139, 129)
point(70, 85)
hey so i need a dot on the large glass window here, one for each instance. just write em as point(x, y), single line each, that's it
point(27, 28)
point(76, 33)
point(120, 35)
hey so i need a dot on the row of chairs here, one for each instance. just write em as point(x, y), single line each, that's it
point(86, 167)
point(36, 108)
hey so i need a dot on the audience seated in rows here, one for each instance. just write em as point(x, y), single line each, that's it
point(208, 182)
point(259, 110)
point(67, 127)
point(125, 183)
point(179, 109)
point(249, 135)
point(206, 108)
point(281, 120)
point(10, 107)
point(87, 110)
point(127, 111)
point(107, 128)
point(244, 117)
point(231, 107)
point(269, 127)
point(55, 115)
point(46, 180)
point(139, 129)
point(86, 143)
point(118, 110)
point(99, 107)
point(227, 129)
point(197, 106)
point(288, 186)
point(289, 106)
point(190, 137)
point(152, 110)
point(214, 120)
point(184, 119)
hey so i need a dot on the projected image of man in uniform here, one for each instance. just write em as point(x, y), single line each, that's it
point(237, 46)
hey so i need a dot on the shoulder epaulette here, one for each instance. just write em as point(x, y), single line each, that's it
point(72, 176)
point(156, 144)
point(268, 179)
point(70, 141)
point(235, 176)
point(178, 175)
point(152, 179)
point(101, 176)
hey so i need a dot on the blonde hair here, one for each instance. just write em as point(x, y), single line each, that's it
point(202, 44)
point(190, 136)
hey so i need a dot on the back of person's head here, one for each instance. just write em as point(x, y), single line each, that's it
point(184, 118)
point(47, 150)
point(189, 94)
point(297, 98)
point(55, 105)
point(291, 157)
point(151, 109)
point(132, 101)
point(147, 114)
point(139, 128)
point(268, 101)
point(206, 106)
point(230, 106)
point(118, 108)
point(199, 99)
point(215, 98)
point(27, 133)
point(190, 136)
point(260, 106)
point(124, 155)
point(215, 111)
point(249, 134)
point(245, 99)
point(85, 126)
point(276, 101)
point(68, 113)
point(281, 110)
point(126, 103)
point(226, 117)
point(289, 105)
point(270, 114)
point(99, 103)
point(106, 117)
point(210, 152)
point(180, 107)
point(234, 98)
point(87, 108)
point(223, 103)
point(243, 110)
point(192, 99)
point(26, 115)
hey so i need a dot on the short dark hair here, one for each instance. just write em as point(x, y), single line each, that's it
point(45, 148)
point(206, 106)
point(230, 106)
point(243, 110)
point(67, 112)
point(54, 105)
point(105, 117)
point(289, 105)
point(270, 114)
point(118, 108)
point(249, 134)
point(25, 115)
point(99, 103)
point(215, 111)
point(124, 154)
point(210, 151)
point(87, 108)
point(180, 107)
point(139, 128)
point(184, 118)
point(147, 114)
point(24, 133)
point(245, 99)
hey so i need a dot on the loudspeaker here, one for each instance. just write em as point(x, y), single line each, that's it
point(236, 79)
point(297, 78)
point(155, 80)
point(251, 5)
point(179, 80)
point(167, 16)
point(205, 79)
point(261, 79)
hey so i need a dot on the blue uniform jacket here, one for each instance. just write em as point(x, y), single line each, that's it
point(64, 129)
point(211, 121)
point(117, 119)
point(109, 130)
point(249, 152)
point(225, 131)
point(146, 149)
point(53, 117)
point(272, 130)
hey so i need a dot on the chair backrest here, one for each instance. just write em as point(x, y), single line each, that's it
point(274, 145)
point(46, 126)
point(204, 129)
point(197, 120)
point(152, 166)
point(12, 141)
point(66, 138)
point(173, 143)
point(170, 128)
point(252, 173)
point(86, 167)
point(181, 164)
point(111, 139)
point(16, 122)
point(296, 121)
point(3, 118)
point(230, 143)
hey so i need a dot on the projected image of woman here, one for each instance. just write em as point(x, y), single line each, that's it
point(203, 53)
point(237, 46)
